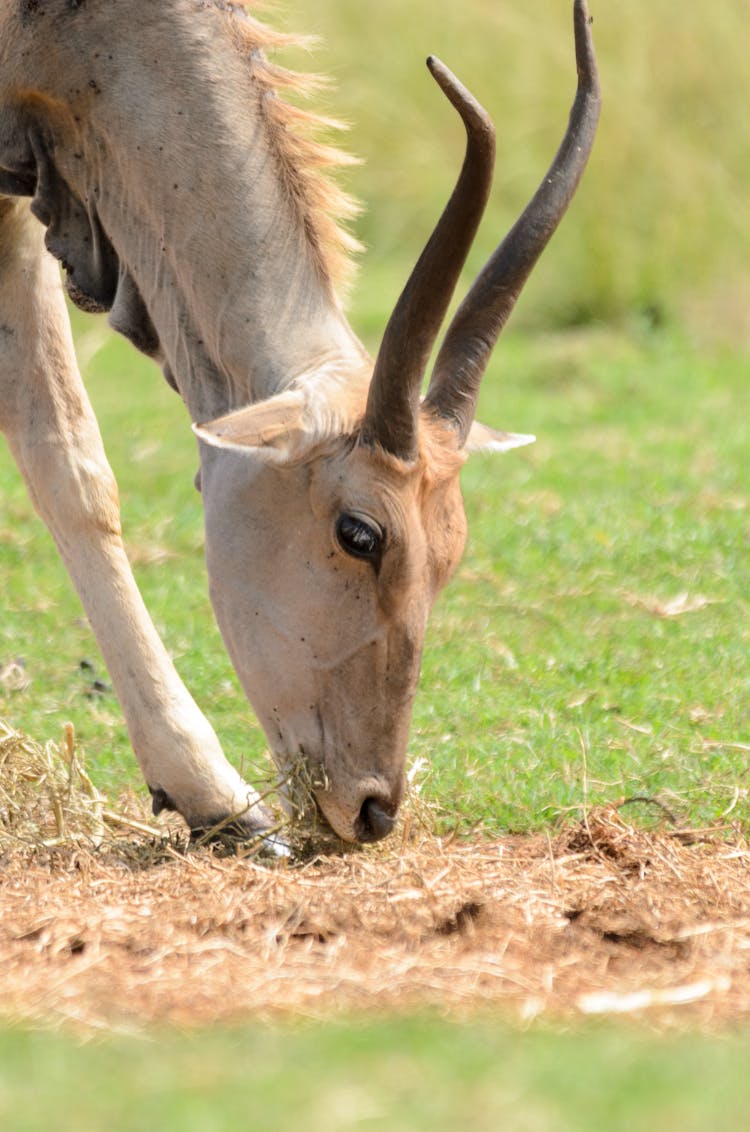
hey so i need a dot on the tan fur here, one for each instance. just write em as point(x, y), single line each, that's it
point(293, 132)
point(53, 435)
point(183, 194)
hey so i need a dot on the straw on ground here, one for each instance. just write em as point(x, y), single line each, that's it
point(106, 921)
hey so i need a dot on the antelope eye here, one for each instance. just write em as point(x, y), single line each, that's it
point(359, 537)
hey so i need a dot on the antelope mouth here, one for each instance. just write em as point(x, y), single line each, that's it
point(376, 820)
point(360, 822)
point(314, 809)
point(358, 809)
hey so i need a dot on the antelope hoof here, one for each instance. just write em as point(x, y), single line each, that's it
point(247, 826)
point(244, 827)
point(160, 800)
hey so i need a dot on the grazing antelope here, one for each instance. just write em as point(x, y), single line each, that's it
point(166, 177)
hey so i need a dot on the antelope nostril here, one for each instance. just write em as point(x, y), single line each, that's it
point(373, 823)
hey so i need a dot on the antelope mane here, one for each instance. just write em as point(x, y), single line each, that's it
point(294, 134)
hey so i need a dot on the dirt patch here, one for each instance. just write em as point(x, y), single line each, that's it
point(110, 925)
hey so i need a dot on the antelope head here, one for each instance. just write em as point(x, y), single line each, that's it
point(333, 509)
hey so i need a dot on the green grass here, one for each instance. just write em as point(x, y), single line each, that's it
point(544, 673)
point(545, 678)
point(636, 489)
point(659, 224)
point(536, 652)
point(635, 492)
point(411, 1075)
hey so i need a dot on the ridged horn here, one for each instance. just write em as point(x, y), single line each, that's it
point(391, 415)
point(476, 326)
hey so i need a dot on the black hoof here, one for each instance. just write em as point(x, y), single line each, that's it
point(256, 825)
point(160, 800)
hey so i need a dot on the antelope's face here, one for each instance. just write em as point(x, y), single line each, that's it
point(329, 529)
point(323, 568)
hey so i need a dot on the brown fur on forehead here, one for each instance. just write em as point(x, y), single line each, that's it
point(323, 207)
point(440, 496)
point(433, 480)
point(438, 451)
point(439, 460)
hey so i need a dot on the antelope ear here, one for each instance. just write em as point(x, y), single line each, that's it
point(276, 429)
point(482, 438)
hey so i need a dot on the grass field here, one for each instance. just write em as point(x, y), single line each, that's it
point(552, 656)
point(595, 638)
point(594, 644)
point(659, 227)
point(414, 1075)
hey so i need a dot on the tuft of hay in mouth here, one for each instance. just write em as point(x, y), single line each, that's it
point(107, 920)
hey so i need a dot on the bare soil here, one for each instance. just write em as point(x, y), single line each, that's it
point(104, 923)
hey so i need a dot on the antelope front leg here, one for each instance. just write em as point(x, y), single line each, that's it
point(55, 439)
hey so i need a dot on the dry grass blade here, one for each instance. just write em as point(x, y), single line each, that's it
point(107, 919)
point(46, 796)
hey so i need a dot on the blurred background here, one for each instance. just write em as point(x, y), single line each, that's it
point(598, 628)
point(660, 227)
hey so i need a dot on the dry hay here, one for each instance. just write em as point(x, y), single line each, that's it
point(106, 921)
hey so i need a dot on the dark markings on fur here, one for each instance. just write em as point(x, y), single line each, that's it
point(30, 9)
point(18, 183)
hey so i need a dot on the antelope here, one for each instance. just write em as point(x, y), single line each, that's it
point(167, 178)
